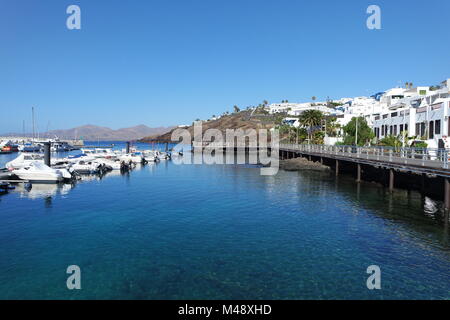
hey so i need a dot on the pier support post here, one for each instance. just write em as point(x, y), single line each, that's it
point(391, 180)
point(358, 172)
point(337, 167)
point(321, 160)
point(47, 154)
point(446, 194)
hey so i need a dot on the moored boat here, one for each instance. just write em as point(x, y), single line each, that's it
point(37, 171)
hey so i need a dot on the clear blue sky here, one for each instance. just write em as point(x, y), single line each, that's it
point(169, 62)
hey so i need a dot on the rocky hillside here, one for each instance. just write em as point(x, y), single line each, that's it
point(242, 120)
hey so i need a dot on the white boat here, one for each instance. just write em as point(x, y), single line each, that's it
point(24, 159)
point(150, 156)
point(38, 172)
point(99, 152)
point(135, 157)
point(162, 155)
point(109, 163)
point(82, 166)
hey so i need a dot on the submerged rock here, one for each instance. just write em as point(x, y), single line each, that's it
point(297, 164)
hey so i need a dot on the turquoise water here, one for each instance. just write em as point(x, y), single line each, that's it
point(171, 231)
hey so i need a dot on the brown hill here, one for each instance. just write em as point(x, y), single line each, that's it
point(242, 120)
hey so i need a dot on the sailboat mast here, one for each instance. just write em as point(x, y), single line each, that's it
point(32, 114)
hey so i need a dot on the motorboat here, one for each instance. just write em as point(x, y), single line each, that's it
point(72, 159)
point(24, 159)
point(135, 157)
point(59, 146)
point(28, 147)
point(150, 156)
point(8, 146)
point(162, 155)
point(38, 172)
point(109, 163)
point(83, 166)
point(99, 152)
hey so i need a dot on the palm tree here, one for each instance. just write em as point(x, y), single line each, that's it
point(311, 119)
point(236, 109)
point(265, 102)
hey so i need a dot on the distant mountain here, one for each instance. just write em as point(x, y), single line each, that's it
point(92, 132)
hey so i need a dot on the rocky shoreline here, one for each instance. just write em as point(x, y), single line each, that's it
point(297, 164)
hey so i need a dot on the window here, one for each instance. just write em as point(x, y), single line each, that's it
point(431, 131)
point(437, 127)
point(395, 130)
point(401, 128)
point(422, 129)
point(418, 129)
point(406, 127)
point(394, 114)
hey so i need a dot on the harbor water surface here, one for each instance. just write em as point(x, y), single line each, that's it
point(170, 231)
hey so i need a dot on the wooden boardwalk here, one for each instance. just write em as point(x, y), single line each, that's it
point(428, 161)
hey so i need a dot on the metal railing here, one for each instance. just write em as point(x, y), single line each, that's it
point(412, 156)
point(426, 157)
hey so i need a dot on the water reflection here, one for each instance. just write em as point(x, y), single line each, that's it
point(41, 190)
point(404, 212)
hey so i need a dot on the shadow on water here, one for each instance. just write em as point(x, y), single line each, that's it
point(407, 208)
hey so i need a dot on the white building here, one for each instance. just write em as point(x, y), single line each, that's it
point(422, 113)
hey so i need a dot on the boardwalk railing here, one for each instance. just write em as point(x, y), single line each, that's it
point(437, 158)
point(425, 157)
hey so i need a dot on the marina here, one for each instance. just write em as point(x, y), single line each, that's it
point(234, 157)
point(257, 243)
